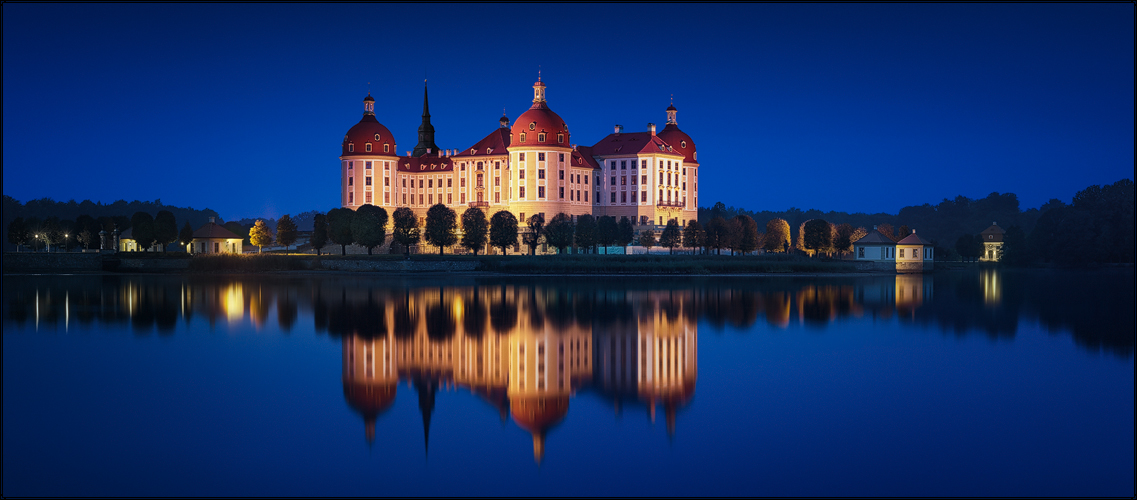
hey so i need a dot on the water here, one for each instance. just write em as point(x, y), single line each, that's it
point(957, 383)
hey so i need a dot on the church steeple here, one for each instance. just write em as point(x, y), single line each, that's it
point(426, 130)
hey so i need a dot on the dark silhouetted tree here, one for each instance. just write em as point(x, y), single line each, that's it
point(647, 239)
point(475, 229)
point(625, 234)
point(339, 227)
point(536, 231)
point(286, 231)
point(586, 232)
point(503, 230)
point(185, 236)
point(165, 229)
point(368, 227)
point(142, 230)
point(747, 240)
point(559, 232)
point(441, 227)
point(671, 237)
point(406, 232)
point(817, 235)
point(319, 232)
point(607, 230)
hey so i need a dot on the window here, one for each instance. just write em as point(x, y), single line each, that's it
point(643, 163)
point(350, 148)
point(497, 164)
point(521, 157)
point(523, 140)
point(449, 182)
point(532, 126)
point(387, 198)
point(386, 148)
point(623, 180)
point(463, 198)
point(572, 196)
point(643, 196)
point(367, 147)
point(404, 198)
point(386, 181)
point(367, 197)
point(497, 197)
point(404, 183)
point(420, 183)
point(624, 197)
point(367, 180)
point(521, 174)
point(661, 177)
point(351, 198)
point(683, 144)
point(613, 197)
point(624, 165)
point(350, 165)
point(462, 182)
point(497, 181)
point(479, 180)
point(540, 191)
point(541, 137)
point(449, 199)
point(540, 173)
point(613, 180)
point(420, 199)
point(561, 140)
point(562, 158)
point(613, 167)
point(521, 192)
point(562, 193)
point(430, 183)
point(901, 253)
point(684, 185)
point(540, 156)
point(561, 174)
point(479, 165)
point(367, 165)
point(643, 179)
point(351, 181)
point(430, 198)
point(521, 217)
point(586, 180)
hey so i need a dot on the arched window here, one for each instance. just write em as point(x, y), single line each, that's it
point(386, 148)
point(350, 148)
point(367, 147)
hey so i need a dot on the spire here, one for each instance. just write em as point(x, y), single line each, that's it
point(426, 405)
point(426, 130)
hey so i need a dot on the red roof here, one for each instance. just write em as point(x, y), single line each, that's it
point(538, 413)
point(582, 157)
point(365, 132)
point(630, 143)
point(912, 239)
point(213, 230)
point(425, 164)
point(493, 144)
point(539, 118)
point(680, 141)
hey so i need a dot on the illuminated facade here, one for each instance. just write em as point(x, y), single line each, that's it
point(530, 167)
point(992, 243)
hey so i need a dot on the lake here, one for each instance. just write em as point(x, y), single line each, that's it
point(957, 383)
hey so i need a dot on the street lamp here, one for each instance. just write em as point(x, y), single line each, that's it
point(65, 248)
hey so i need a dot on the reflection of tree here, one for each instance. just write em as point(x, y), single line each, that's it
point(439, 318)
point(503, 312)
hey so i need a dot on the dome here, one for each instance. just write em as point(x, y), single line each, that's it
point(539, 119)
point(680, 141)
point(368, 132)
point(536, 120)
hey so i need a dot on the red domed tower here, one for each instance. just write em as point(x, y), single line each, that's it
point(539, 158)
point(368, 154)
point(682, 144)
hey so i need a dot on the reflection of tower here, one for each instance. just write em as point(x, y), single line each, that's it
point(370, 377)
point(668, 354)
point(426, 387)
point(542, 362)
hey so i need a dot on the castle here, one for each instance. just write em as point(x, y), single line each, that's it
point(528, 168)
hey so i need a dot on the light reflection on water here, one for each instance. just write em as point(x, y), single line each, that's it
point(531, 349)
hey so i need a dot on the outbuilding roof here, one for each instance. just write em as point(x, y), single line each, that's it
point(874, 238)
point(214, 230)
point(912, 239)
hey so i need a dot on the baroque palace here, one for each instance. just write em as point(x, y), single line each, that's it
point(528, 168)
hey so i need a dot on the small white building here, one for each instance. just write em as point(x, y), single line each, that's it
point(214, 238)
point(874, 247)
point(992, 243)
point(127, 243)
point(914, 254)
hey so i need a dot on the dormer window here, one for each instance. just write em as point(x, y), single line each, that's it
point(489, 150)
point(523, 137)
point(560, 138)
point(532, 125)
point(386, 148)
point(350, 148)
point(695, 156)
point(541, 137)
point(367, 147)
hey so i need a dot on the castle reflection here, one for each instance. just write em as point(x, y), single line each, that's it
point(528, 347)
point(525, 350)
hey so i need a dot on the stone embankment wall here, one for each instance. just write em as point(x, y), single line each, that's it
point(441, 266)
point(49, 261)
point(157, 265)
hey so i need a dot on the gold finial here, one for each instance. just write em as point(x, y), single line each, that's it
point(672, 99)
point(538, 72)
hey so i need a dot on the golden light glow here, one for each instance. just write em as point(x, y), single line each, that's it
point(233, 302)
point(992, 288)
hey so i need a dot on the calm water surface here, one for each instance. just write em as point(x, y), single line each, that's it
point(956, 383)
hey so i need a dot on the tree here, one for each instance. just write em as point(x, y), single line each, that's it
point(165, 229)
point(536, 230)
point(286, 231)
point(585, 231)
point(559, 232)
point(1014, 251)
point(843, 242)
point(647, 239)
point(260, 235)
point(903, 232)
point(606, 231)
point(18, 233)
point(887, 230)
point(693, 235)
point(441, 227)
point(319, 232)
point(86, 230)
point(236, 228)
point(963, 245)
point(339, 227)
point(671, 237)
point(718, 234)
point(816, 235)
point(186, 235)
point(475, 229)
point(777, 235)
point(142, 230)
point(406, 231)
point(368, 226)
point(503, 230)
point(625, 234)
point(747, 240)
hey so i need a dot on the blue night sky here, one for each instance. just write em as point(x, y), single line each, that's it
point(241, 108)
